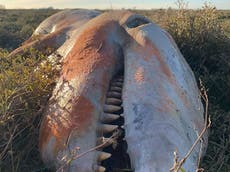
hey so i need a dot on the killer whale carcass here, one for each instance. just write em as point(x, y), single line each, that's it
point(123, 74)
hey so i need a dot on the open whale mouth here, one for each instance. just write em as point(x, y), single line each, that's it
point(113, 117)
point(124, 88)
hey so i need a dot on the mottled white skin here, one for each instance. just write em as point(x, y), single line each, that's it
point(154, 132)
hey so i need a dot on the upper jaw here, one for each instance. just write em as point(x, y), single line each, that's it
point(73, 115)
point(159, 97)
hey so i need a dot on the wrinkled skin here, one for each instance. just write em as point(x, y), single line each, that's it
point(162, 109)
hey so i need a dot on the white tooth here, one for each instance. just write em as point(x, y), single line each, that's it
point(113, 94)
point(111, 108)
point(118, 84)
point(106, 128)
point(119, 80)
point(117, 89)
point(122, 115)
point(114, 101)
point(103, 156)
point(105, 141)
point(98, 168)
point(122, 126)
point(106, 117)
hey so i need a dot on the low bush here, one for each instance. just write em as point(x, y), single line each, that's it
point(206, 47)
point(25, 84)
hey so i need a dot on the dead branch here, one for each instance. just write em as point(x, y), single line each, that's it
point(77, 156)
point(178, 164)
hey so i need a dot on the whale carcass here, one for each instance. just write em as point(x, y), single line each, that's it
point(125, 98)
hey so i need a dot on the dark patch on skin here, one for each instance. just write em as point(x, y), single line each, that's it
point(139, 115)
point(187, 134)
point(186, 128)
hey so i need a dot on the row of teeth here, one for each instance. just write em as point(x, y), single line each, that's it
point(112, 111)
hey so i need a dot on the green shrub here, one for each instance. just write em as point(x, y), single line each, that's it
point(17, 26)
point(25, 84)
point(206, 47)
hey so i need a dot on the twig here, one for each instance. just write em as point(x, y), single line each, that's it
point(8, 143)
point(178, 164)
point(74, 157)
point(200, 154)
